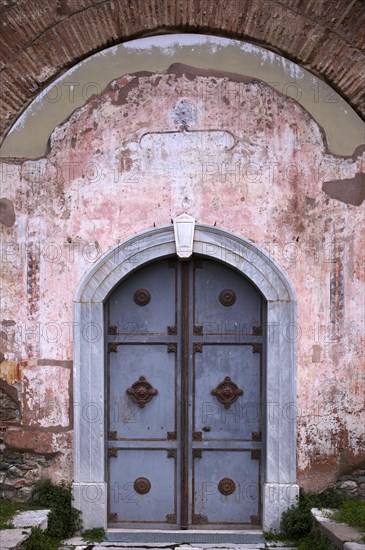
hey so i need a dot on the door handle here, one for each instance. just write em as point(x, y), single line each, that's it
point(206, 429)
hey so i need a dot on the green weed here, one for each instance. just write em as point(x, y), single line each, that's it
point(94, 535)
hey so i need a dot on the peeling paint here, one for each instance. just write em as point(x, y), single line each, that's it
point(349, 191)
point(10, 372)
point(46, 396)
point(7, 213)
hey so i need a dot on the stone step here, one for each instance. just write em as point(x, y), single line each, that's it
point(12, 539)
point(339, 534)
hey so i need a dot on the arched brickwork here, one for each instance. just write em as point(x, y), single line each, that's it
point(41, 38)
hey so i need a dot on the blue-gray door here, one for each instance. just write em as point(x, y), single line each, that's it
point(184, 379)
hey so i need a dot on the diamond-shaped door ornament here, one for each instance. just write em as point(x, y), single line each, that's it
point(141, 392)
point(227, 392)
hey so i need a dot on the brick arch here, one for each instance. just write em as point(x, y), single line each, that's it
point(41, 39)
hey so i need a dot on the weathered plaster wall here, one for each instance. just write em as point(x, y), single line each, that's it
point(231, 151)
point(29, 136)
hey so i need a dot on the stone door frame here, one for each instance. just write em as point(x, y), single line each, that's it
point(279, 488)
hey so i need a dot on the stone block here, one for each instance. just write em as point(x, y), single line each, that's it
point(278, 497)
point(349, 485)
point(31, 518)
point(10, 539)
point(91, 499)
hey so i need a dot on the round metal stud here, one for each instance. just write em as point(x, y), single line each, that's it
point(226, 486)
point(227, 297)
point(142, 485)
point(142, 297)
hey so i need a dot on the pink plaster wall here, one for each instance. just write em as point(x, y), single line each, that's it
point(249, 160)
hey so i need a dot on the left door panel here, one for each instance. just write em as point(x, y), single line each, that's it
point(143, 411)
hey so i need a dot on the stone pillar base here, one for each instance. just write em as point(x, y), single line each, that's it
point(278, 497)
point(91, 499)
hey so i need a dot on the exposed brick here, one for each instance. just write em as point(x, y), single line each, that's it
point(326, 36)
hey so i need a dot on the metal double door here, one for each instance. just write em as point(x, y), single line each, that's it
point(184, 378)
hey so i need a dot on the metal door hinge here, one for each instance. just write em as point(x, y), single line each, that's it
point(197, 453)
point(256, 436)
point(112, 452)
point(197, 347)
point(198, 330)
point(171, 331)
point(171, 453)
point(171, 436)
point(113, 436)
point(198, 518)
point(112, 347)
point(255, 454)
point(257, 330)
point(112, 330)
point(256, 348)
point(171, 348)
point(171, 518)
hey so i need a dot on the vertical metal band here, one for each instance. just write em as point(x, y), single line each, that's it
point(184, 395)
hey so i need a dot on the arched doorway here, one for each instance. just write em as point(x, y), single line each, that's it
point(184, 392)
point(278, 488)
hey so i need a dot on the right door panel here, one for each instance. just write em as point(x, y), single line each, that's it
point(226, 382)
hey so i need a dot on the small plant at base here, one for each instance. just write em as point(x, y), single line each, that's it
point(314, 541)
point(352, 512)
point(297, 522)
point(270, 536)
point(94, 535)
point(39, 540)
point(63, 519)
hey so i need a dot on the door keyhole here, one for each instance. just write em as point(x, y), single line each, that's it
point(206, 429)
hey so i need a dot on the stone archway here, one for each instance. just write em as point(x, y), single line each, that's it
point(279, 480)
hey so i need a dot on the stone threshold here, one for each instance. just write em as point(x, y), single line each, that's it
point(186, 536)
point(340, 535)
point(76, 543)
